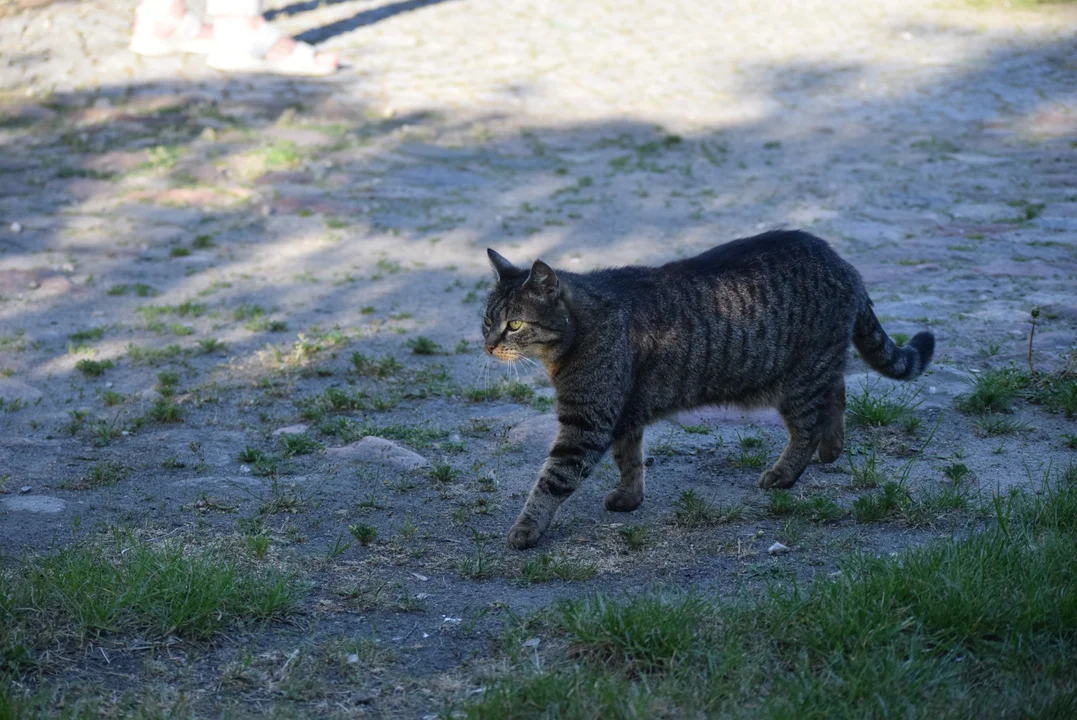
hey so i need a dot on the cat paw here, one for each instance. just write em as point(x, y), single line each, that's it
point(774, 478)
point(621, 501)
point(829, 451)
point(524, 534)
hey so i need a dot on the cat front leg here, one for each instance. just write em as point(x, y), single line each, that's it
point(628, 454)
point(578, 448)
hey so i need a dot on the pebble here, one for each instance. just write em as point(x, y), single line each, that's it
point(16, 227)
point(778, 549)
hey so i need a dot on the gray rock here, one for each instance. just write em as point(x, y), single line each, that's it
point(12, 390)
point(379, 451)
point(291, 430)
point(34, 504)
point(535, 433)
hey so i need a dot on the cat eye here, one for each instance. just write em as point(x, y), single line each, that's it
point(486, 323)
point(515, 324)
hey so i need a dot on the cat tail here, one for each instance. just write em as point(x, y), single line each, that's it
point(883, 354)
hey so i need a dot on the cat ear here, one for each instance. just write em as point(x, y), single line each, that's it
point(543, 280)
point(502, 267)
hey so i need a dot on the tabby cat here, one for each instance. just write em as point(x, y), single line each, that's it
point(758, 322)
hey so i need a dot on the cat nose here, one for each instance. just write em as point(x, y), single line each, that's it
point(490, 349)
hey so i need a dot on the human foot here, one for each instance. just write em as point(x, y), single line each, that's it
point(164, 28)
point(250, 44)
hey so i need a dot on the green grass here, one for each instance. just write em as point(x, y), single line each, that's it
point(513, 390)
point(976, 627)
point(425, 346)
point(546, 568)
point(82, 336)
point(993, 426)
point(872, 407)
point(754, 452)
point(384, 367)
point(300, 444)
point(187, 308)
point(691, 510)
point(363, 534)
point(816, 508)
point(880, 506)
point(93, 368)
point(129, 588)
point(993, 391)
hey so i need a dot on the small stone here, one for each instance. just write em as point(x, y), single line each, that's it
point(16, 227)
point(353, 659)
point(778, 549)
point(25, 489)
point(379, 451)
point(291, 430)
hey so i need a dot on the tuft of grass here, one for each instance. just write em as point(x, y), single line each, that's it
point(479, 563)
point(873, 408)
point(816, 508)
point(93, 368)
point(635, 537)
point(754, 452)
point(102, 474)
point(993, 391)
point(424, 346)
point(443, 473)
point(130, 587)
point(868, 474)
point(82, 336)
point(691, 510)
point(920, 630)
point(281, 154)
point(384, 367)
point(211, 345)
point(880, 506)
point(546, 568)
point(112, 398)
point(299, 444)
point(993, 426)
point(956, 472)
point(363, 534)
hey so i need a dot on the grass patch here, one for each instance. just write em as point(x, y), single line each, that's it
point(691, 510)
point(425, 346)
point(872, 407)
point(93, 368)
point(299, 444)
point(993, 391)
point(383, 367)
point(546, 568)
point(513, 390)
point(979, 626)
point(363, 534)
point(130, 587)
point(817, 508)
point(993, 426)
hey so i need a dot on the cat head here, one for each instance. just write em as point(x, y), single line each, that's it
point(526, 313)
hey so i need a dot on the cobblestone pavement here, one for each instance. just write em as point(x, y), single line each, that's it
point(250, 233)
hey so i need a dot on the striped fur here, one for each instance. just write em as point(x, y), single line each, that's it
point(757, 322)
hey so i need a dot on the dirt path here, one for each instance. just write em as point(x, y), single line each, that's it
point(247, 236)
